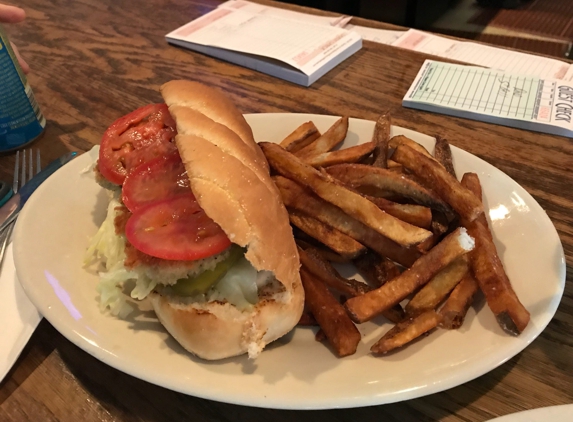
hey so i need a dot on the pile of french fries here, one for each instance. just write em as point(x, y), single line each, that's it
point(417, 235)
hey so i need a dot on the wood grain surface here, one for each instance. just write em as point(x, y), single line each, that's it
point(95, 60)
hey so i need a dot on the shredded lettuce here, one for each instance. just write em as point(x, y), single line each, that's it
point(109, 248)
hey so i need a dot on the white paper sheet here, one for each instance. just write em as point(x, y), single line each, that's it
point(18, 316)
point(250, 7)
point(483, 55)
point(381, 36)
point(253, 39)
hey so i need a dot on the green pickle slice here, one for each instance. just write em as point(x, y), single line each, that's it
point(203, 282)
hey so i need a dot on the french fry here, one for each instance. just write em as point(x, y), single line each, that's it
point(404, 332)
point(440, 223)
point(394, 166)
point(380, 137)
point(300, 137)
point(334, 239)
point(365, 307)
point(395, 314)
point(456, 307)
point(330, 315)
point(320, 336)
point(471, 181)
point(323, 251)
point(321, 268)
point(350, 202)
point(461, 199)
point(490, 274)
point(297, 197)
point(307, 320)
point(494, 283)
point(416, 215)
point(358, 176)
point(439, 227)
point(443, 153)
point(347, 155)
point(327, 141)
point(436, 290)
point(404, 140)
point(376, 269)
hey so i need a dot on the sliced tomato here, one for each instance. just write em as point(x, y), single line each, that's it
point(156, 180)
point(136, 138)
point(175, 229)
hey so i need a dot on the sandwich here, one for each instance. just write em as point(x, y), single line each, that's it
point(196, 226)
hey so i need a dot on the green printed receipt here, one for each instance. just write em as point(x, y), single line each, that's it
point(526, 102)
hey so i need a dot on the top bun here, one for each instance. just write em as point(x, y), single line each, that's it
point(230, 178)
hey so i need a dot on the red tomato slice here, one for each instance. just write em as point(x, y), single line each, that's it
point(161, 178)
point(175, 229)
point(134, 139)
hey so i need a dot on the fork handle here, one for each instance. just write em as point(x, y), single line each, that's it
point(10, 210)
point(4, 240)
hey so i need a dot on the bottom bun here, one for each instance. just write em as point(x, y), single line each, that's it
point(218, 330)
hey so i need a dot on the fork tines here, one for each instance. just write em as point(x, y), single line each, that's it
point(22, 165)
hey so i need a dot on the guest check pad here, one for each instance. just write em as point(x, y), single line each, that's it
point(522, 101)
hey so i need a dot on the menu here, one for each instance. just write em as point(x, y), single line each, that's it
point(522, 101)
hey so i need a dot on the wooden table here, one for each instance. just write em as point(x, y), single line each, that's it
point(95, 60)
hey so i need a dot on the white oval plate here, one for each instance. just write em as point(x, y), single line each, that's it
point(563, 413)
point(295, 372)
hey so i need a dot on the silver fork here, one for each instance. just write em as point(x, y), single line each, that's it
point(24, 170)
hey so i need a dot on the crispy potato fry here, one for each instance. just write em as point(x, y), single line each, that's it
point(320, 336)
point(365, 307)
point(331, 316)
point(404, 140)
point(416, 215)
point(461, 199)
point(489, 272)
point(334, 239)
point(380, 137)
point(439, 227)
point(307, 320)
point(439, 223)
point(436, 290)
point(456, 307)
point(321, 268)
point(394, 166)
point(376, 269)
point(395, 314)
point(360, 175)
point(297, 197)
point(494, 283)
point(404, 332)
point(327, 141)
point(347, 155)
point(323, 251)
point(471, 181)
point(443, 153)
point(350, 202)
point(300, 137)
